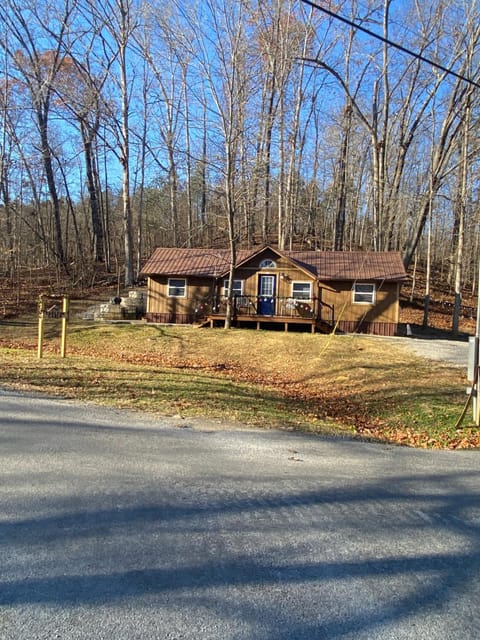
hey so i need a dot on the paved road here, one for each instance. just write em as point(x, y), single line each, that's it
point(118, 526)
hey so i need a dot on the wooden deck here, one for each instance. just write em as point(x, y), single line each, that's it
point(259, 321)
point(289, 312)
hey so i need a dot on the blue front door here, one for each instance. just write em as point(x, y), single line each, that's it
point(266, 295)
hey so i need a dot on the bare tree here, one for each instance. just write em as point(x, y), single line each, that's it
point(79, 95)
point(5, 178)
point(165, 46)
point(465, 157)
point(114, 22)
point(222, 60)
point(27, 26)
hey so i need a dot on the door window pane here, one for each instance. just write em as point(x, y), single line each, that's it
point(266, 285)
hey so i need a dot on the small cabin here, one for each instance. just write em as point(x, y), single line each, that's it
point(345, 291)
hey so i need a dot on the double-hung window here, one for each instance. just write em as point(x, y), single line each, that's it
point(363, 293)
point(302, 290)
point(177, 287)
point(237, 288)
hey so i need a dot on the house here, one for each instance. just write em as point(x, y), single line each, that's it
point(353, 291)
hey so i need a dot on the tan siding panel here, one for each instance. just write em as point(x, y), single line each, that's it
point(158, 301)
point(384, 310)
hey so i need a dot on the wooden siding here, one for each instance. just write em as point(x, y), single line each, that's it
point(286, 274)
point(198, 289)
point(385, 309)
point(380, 318)
point(171, 318)
point(158, 301)
point(375, 328)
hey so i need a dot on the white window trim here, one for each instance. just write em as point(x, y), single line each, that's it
point(235, 293)
point(373, 294)
point(268, 263)
point(169, 295)
point(301, 282)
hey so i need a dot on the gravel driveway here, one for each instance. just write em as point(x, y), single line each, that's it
point(451, 351)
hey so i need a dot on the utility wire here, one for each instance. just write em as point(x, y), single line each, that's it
point(396, 45)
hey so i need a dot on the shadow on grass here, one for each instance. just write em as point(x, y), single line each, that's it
point(365, 393)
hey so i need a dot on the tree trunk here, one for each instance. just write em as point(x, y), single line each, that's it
point(97, 226)
point(52, 188)
point(125, 147)
point(462, 205)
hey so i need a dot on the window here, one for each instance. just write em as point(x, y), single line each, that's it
point(237, 288)
point(267, 264)
point(177, 287)
point(302, 290)
point(363, 293)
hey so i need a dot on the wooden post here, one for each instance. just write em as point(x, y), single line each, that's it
point(476, 379)
point(41, 311)
point(476, 403)
point(64, 327)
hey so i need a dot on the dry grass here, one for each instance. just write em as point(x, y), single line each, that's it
point(348, 384)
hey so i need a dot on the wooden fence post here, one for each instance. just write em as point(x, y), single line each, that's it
point(41, 313)
point(63, 347)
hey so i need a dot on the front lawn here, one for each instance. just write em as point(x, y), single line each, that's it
point(355, 385)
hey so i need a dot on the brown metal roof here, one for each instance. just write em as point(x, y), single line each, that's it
point(351, 265)
point(190, 262)
point(324, 265)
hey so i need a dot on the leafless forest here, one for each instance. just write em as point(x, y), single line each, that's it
point(127, 124)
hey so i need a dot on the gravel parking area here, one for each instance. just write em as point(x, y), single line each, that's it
point(453, 352)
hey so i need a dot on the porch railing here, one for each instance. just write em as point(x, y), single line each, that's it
point(284, 307)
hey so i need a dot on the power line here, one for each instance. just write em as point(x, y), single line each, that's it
point(396, 45)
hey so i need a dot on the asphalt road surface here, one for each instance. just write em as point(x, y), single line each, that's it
point(119, 526)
